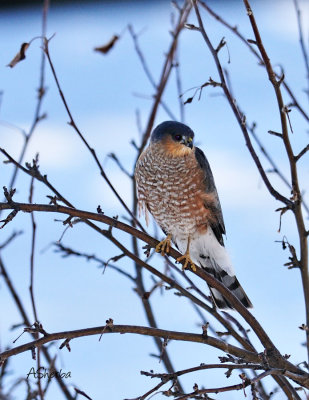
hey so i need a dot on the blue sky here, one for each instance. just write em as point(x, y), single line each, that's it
point(102, 94)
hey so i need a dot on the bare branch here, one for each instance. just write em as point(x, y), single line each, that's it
point(303, 152)
point(66, 252)
point(10, 239)
point(140, 330)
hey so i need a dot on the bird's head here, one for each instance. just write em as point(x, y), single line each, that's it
point(175, 138)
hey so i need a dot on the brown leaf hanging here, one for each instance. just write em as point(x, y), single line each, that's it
point(108, 46)
point(20, 55)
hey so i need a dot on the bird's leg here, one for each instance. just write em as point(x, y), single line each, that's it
point(164, 246)
point(187, 258)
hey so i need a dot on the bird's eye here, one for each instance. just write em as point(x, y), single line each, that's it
point(177, 137)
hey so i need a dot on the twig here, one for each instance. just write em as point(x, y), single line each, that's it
point(241, 386)
point(121, 167)
point(302, 152)
point(66, 252)
point(149, 392)
point(10, 239)
point(33, 224)
point(179, 87)
point(273, 164)
point(202, 367)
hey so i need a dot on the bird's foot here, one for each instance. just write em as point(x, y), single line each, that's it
point(188, 260)
point(164, 246)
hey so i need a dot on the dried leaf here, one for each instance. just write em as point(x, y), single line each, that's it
point(21, 55)
point(108, 46)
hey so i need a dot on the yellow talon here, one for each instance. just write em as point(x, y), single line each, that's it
point(188, 260)
point(164, 246)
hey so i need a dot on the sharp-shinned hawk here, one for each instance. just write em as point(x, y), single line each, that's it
point(175, 184)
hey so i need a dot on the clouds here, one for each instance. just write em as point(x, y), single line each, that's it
point(54, 143)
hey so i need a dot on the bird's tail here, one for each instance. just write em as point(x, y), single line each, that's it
point(206, 251)
point(230, 282)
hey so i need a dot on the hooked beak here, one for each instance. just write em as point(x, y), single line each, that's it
point(187, 141)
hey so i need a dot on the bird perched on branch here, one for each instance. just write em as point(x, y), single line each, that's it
point(175, 184)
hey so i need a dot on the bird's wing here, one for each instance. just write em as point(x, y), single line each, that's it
point(217, 223)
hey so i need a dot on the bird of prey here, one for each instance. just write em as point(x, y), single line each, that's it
point(175, 184)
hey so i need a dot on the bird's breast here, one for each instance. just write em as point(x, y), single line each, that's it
point(172, 189)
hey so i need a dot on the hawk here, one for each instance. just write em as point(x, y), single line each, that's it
point(175, 184)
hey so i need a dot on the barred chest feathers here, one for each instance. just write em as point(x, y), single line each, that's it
point(173, 190)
